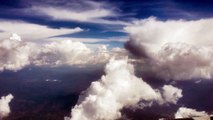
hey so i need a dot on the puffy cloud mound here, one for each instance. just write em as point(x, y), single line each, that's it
point(16, 54)
point(176, 49)
point(117, 89)
point(151, 33)
point(183, 61)
point(64, 52)
point(171, 94)
point(4, 105)
point(184, 112)
point(15, 37)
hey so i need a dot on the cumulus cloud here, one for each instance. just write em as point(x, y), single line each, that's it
point(64, 52)
point(183, 62)
point(184, 112)
point(176, 49)
point(171, 94)
point(30, 31)
point(117, 89)
point(151, 33)
point(17, 54)
point(4, 105)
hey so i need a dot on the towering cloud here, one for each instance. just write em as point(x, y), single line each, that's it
point(14, 53)
point(4, 105)
point(184, 112)
point(117, 89)
point(151, 34)
point(176, 49)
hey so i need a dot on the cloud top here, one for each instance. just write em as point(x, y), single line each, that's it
point(17, 54)
point(117, 89)
point(175, 49)
point(152, 33)
point(31, 31)
point(4, 105)
point(184, 112)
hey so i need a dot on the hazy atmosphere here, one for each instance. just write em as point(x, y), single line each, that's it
point(106, 59)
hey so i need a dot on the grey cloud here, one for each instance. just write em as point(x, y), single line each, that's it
point(176, 49)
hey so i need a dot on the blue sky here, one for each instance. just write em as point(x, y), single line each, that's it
point(103, 19)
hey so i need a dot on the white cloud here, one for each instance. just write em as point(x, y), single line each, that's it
point(4, 105)
point(117, 89)
point(168, 94)
point(152, 33)
point(178, 49)
point(17, 54)
point(63, 52)
point(184, 112)
point(66, 14)
point(30, 31)
point(171, 94)
point(183, 62)
point(90, 11)
point(15, 37)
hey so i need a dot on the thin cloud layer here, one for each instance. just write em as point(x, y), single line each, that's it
point(66, 14)
point(87, 11)
point(4, 105)
point(30, 31)
point(184, 112)
point(177, 50)
point(117, 89)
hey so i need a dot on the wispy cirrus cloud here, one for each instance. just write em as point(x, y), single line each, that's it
point(68, 14)
point(87, 11)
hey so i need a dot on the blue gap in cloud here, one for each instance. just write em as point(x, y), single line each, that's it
point(97, 34)
point(92, 33)
point(110, 44)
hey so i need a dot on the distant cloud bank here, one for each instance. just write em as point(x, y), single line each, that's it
point(17, 54)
